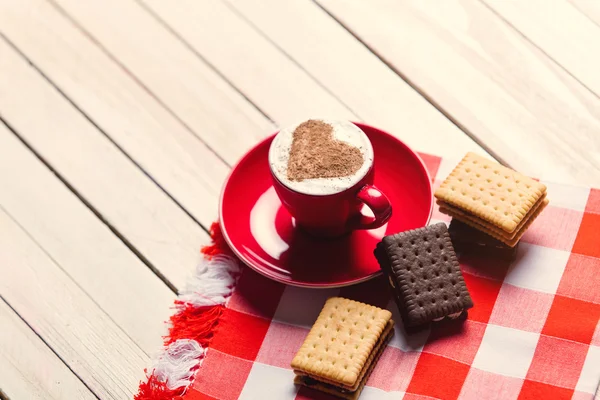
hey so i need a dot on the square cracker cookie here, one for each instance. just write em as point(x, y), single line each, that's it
point(337, 391)
point(339, 344)
point(490, 191)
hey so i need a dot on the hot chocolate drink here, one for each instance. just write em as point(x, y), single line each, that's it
point(320, 157)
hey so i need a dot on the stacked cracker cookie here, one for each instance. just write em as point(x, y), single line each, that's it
point(342, 347)
point(492, 198)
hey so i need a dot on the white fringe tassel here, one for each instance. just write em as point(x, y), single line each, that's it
point(178, 362)
point(212, 283)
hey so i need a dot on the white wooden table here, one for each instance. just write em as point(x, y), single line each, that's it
point(119, 121)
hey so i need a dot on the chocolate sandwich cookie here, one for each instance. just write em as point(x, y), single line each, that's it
point(424, 275)
point(470, 241)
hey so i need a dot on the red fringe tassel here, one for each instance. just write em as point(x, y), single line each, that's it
point(219, 245)
point(195, 323)
point(154, 389)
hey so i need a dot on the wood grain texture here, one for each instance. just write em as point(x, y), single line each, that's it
point(84, 248)
point(490, 79)
point(125, 197)
point(204, 101)
point(29, 369)
point(175, 158)
point(562, 31)
point(300, 63)
point(95, 348)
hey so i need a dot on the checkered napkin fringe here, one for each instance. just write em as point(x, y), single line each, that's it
point(533, 333)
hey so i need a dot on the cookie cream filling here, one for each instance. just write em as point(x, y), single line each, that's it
point(451, 316)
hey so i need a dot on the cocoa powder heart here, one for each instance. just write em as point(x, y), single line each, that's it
point(315, 153)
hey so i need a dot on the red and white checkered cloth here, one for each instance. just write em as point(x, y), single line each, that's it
point(532, 334)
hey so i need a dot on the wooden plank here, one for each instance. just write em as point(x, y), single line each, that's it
point(29, 369)
point(298, 58)
point(58, 310)
point(136, 299)
point(163, 146)
point(125, 197)
point(561, 31)
point(193, 91)
point(490, 79)
point(591, 8)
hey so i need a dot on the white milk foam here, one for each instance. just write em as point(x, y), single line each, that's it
point(345, 131)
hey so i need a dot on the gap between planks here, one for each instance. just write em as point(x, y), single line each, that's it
point(30, 368)
point(561, 31)
point(590, 8)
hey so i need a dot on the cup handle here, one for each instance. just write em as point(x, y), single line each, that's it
point(378, 203)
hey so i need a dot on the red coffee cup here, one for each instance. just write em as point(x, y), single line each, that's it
point(334, 214)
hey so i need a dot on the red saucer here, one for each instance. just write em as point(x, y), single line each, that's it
point(262, 233)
